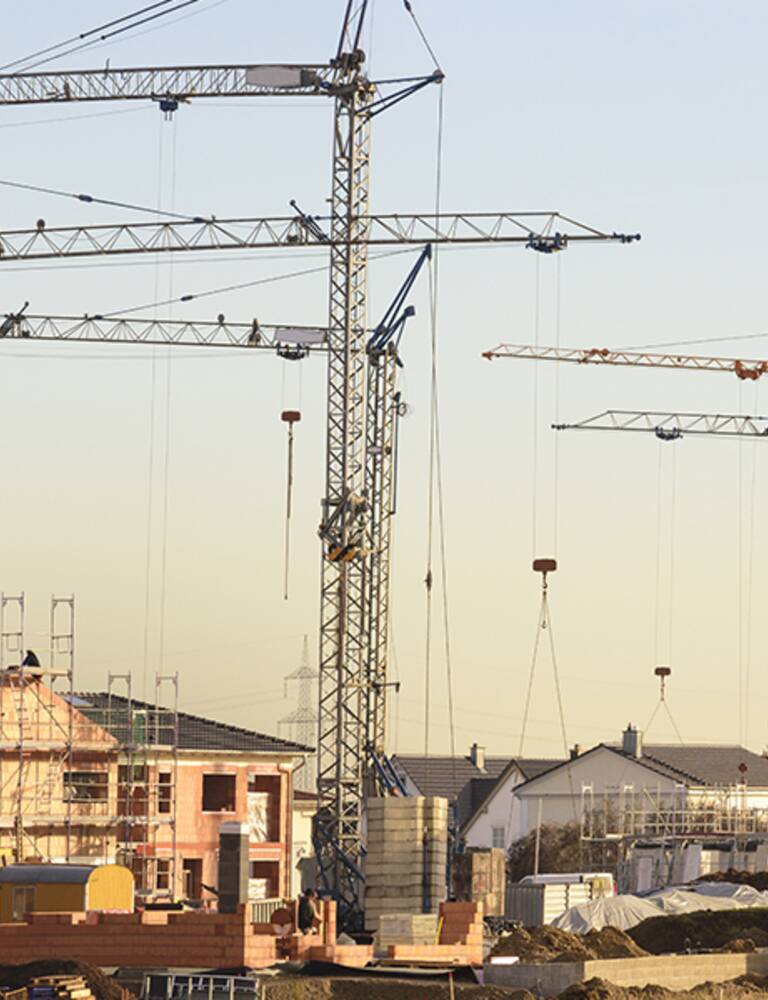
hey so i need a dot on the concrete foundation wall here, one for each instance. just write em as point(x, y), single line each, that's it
point(676, 972)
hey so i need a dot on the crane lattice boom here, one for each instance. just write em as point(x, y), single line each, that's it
point(748, 370)
point(202, 233)
point(178, 82)
point(672, 426)
point(136, 330)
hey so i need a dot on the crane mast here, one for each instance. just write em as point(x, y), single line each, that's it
point(344, 626)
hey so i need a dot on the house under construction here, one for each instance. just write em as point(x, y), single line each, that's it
point(98, 776)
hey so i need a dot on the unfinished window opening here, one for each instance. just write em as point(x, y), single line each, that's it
point(264, 808)
point(164, 791)
point(163, 875)
point(86, 786)
point(263, 880)
point(218, 793)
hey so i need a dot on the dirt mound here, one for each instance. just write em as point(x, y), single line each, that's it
point(758, 880)
point(549, 944)
point(711, 929)
point(611, 942)
point(102, 987)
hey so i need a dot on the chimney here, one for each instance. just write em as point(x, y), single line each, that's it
point(575, 751)
point(632, 742)
point(477, 756)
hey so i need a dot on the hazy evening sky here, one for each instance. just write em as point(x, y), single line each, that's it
point(629, 116)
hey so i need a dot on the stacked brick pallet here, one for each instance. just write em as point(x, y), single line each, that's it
point(407, 848)
point(185, 940)
point(406, 928)
point(461, 938)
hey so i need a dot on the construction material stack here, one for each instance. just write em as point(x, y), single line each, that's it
point(407, 850)
point(479, 876)
point(59, 988)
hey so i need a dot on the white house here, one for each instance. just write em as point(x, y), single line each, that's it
point(652, 790)
point(480, 788)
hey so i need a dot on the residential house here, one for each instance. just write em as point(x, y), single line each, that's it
point(180, 777)
point(638, 789)
point(478, 786)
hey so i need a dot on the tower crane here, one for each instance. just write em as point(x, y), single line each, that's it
point(362, 399)
point(745, 370)
point(672, 426)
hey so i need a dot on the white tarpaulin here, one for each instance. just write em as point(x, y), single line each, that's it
point(304, 336)
point(628, 911)
point(610, 911)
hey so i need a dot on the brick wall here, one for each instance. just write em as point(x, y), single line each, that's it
point(153, 938)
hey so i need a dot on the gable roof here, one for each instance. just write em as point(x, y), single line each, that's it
point(707, 764)
point(529, 768)
point(695, 764)
point(445, 775)
point(194, 732)
point(448, 776)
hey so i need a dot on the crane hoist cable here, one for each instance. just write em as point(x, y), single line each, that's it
point(544, 625)
point(663, 673)
point(289, 417)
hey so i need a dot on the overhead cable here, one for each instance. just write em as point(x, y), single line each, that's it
point(91, 199)
point(108, 35)
point(84, 34)
point(420, 30)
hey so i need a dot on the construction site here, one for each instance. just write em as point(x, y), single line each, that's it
point(415, 819)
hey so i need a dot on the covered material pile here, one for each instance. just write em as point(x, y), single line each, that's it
point(758, 880)
point(549, 944)
point(61, 979)
point(628, 911)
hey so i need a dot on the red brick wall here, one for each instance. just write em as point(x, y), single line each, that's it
point(191, 940)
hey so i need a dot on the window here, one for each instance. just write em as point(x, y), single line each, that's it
point(164, 791)
point(86, 786)
point(23, 901)
point(497, 836)
point(218, 793)
point(163, 875)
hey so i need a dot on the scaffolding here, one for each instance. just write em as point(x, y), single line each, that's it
point(147, 779)
point(621, 822)
point(51, 807)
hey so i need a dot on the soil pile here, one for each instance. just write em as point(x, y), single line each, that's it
point(102, 987)
point(709, 929)
point(758, 880)
point(550, 944)
point(310, 988)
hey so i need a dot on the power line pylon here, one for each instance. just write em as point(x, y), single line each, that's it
point(301, 724)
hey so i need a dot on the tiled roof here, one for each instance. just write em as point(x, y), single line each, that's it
point(707, 764)
point(448, 776)
point(700, 765)
point(194, 733)
point(445, 775)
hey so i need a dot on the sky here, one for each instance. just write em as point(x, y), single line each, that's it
point(151, 483)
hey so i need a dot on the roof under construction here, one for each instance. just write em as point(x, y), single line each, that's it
point(194, 732)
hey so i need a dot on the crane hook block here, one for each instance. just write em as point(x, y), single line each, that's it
point(544, 565)
point(662, 671)
point(290, 416)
